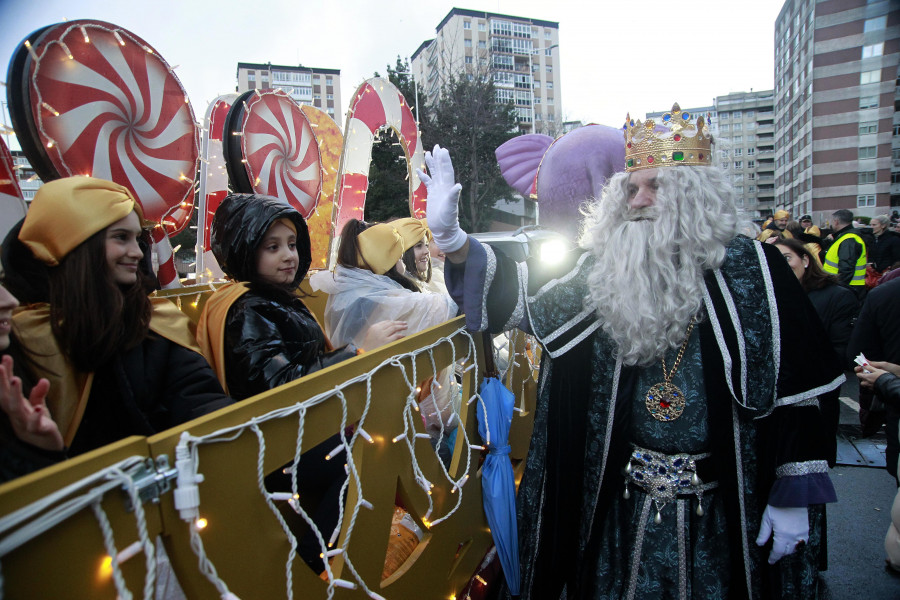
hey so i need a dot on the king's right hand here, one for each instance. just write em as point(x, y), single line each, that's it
point(442, 206)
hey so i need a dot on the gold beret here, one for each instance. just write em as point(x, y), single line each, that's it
point(381, 246)
point(781, 214)
point(66, 212)
point(412, 231)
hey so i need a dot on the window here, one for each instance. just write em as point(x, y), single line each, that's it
point(549, 85)
point(875, 24)
point(724, 116)
point(738, 164)
point(868, 127)
point(739, 189)
point(550, 101)
point(467, 43)
point(751, 188)
point(868, 102)
point(737, 114)
point(535, 68)
point(481, 26)
point(548, 51)
point(251, 75)
point(482, 62)
point(750, 114)
point(751, 151)
point(537, 84)
point(738, 151)
point(482, 44)
point(751, 164)
point(547, 35)
point(549, 68)
point(895, 177)
point(329, 96)
point(738, 139)
point(895, 154)
point(724, 127)
point(469, 60)
point(870, 77)
point(467, 24)
point(865, 177)
point(867, 152)
point(873, 50)
point(751, 125)
point(896, 128)
point(329, 81)
point(537, 99)
point(737, 126)
point(865, 200)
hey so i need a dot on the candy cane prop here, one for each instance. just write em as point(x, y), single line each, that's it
point(96, 99)
point(377, 103)
point(12, 206)
point(271, 149)
point(213, 185)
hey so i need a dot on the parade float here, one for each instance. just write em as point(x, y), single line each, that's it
point(186, 510)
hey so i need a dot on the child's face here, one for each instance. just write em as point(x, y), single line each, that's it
point(276, 257)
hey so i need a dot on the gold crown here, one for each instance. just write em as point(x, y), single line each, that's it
point(683, 142)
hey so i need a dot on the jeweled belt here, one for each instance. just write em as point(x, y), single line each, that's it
point(663, 477)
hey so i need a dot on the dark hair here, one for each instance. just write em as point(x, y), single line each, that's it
point(92, 317)
point(348, 254)
point(814, 277)
point(793, 227)
point(409, 261)
point(843, 215)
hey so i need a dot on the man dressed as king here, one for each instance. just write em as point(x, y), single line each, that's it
point(679, 448)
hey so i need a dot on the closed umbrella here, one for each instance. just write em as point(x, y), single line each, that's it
point(497, 481)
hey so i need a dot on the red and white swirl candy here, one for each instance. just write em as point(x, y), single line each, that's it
point(280, 152)
point(104, 103)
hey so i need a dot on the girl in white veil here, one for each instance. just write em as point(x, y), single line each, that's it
point(369, 285)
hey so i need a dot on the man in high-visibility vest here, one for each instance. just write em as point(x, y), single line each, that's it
point(846, 257)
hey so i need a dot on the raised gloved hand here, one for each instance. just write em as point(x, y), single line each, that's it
point(791, 529)
point(442, 208)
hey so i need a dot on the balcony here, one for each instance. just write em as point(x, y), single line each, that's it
point(764, 194)
point(765, 128)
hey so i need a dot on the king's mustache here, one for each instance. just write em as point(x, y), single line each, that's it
point(650, 213)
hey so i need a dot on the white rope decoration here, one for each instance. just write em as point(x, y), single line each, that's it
point(187, 462)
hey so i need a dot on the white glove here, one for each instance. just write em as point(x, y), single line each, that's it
point(442, 207)
point(791, 527)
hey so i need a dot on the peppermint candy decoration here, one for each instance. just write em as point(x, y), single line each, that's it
point(100, 101)
point(278, 154)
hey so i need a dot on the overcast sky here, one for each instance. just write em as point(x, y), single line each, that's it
point(615, 56)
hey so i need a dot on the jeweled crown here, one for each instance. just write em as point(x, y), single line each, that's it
point(680, 142)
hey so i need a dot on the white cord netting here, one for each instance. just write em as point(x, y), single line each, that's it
point(188, 462)
point(21, 526)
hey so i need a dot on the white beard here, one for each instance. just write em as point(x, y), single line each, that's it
point(647, 282)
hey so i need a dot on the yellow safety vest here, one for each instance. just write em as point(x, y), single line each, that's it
point(831, 259)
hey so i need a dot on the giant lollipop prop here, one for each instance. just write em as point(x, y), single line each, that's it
point(90, 98)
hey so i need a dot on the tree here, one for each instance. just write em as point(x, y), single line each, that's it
point(469, 122)
point(388, 194)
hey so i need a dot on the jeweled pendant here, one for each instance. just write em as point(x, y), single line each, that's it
point(658, 518)
point(665, 402)
point(699, 510)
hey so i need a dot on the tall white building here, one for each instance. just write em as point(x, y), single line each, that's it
point(521, 54)
point(307, 85)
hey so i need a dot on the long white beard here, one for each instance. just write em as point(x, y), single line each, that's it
point(647, 281)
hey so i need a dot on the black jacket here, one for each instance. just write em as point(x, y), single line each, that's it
point(837, 308)
point(884, 250)
point(877, 331)
point(271, 338)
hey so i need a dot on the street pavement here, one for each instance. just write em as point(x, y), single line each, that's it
point(859, 520)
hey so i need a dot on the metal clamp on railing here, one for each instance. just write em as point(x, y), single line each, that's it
point(151, 479)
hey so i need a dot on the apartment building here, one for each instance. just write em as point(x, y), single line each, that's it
point(836, 102)
point(307, 85)
point(520, 54)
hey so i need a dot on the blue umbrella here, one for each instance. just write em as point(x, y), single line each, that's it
point(497, 482)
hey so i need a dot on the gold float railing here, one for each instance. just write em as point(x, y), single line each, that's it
point(243, 539)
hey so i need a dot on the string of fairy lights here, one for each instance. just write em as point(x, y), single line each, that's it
point(37, 518)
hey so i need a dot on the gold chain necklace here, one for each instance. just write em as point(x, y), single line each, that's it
point(665, 401)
